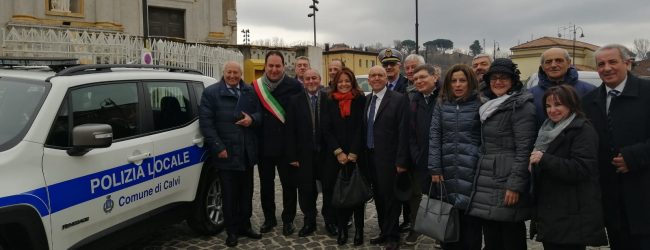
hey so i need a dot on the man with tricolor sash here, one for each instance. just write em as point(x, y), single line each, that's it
point(273, 90)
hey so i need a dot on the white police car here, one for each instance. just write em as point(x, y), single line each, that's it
point(96, 148)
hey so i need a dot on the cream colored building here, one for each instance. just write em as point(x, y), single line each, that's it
point(205, 21)
point(358, 61)
point(528, 55)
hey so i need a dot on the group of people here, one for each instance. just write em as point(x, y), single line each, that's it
point(571, 157)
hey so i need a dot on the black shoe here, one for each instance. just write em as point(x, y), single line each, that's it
point(268, 226)
point(331, 229)
point(250, 233)
point(405, 227)
point(412, 238)
point(358, 237)
point(288, 229)
point(379, 239)
point(343, 237)
point(307, 230)
point(231, 241)
point(392, 245)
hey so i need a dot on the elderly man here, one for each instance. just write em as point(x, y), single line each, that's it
point(480, 64)
point(228, 112)
point(332, 68)
point(304, 146)
point(391, 60)
point(412, 61)
point(273, 90)
point(386, 151)
point(619, 111)
point(301, 65)
point(556, 69)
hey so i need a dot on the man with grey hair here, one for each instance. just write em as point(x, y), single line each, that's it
point(227, 115)
point(480, 64)
point(619, 112)
point(300, 66)
point(555, 69)
point(412, 61)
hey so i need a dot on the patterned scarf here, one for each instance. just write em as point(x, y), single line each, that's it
point(345, 101)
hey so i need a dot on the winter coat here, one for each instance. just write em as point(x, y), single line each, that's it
point(630, 136)
point(507, 138)
point(570, 78)
point(271, 134)
point(568, 207)
point(455, 136)
point(218, 112)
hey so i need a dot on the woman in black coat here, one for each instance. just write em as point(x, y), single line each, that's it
point(564, 164)
point(342, 125)
point(454, 143)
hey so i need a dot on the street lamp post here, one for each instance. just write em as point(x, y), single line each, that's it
point(495, 48)
point(572, 28)
point(247, 36)
point(313, 14)
point(417, 41)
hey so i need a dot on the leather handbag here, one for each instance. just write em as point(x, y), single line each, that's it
point(350, 189)
point(438, 219)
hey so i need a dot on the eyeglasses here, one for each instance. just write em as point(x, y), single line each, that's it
point(386, 64)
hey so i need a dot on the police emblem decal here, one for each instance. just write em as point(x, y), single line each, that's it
point(108, 205)
point(389, 53)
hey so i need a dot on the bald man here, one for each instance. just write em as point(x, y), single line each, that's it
point(386, 148)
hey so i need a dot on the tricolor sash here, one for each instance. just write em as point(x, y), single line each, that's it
point(268, 101)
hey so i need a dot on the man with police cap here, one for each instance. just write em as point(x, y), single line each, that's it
point(391, 60)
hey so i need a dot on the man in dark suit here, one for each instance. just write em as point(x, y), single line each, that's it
point(386, 147)
point(229, 110)
point(273, 90)
point(391, 60)
point(304, 145)
point(619, 110)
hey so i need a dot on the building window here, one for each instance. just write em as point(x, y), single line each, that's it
point(74, 8)
point(366, 63)
point(166, 22)
point(373, 63)
point(359, 63)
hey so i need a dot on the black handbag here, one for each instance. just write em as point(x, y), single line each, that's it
point(438, 219)
point(351, 189)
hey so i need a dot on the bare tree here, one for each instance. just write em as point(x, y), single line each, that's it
point(641, 48)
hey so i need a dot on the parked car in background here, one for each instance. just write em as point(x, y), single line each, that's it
point(590, 77)
point(362, 80)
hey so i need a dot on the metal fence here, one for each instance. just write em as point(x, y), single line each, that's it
point(97, 47)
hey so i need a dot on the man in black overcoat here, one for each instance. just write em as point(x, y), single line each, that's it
point(304, 145)
point(620, 111)
point(229, 110)
point(272, 137)
point(386, 151)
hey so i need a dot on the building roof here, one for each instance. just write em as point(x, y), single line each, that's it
point(547, 42)
point(349, 51)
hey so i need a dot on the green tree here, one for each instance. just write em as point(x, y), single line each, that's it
point(442, 44)
point(475, 48)
point(408, 45)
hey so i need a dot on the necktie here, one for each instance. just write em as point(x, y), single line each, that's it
point(235, 91)
point(610, 125)
point(370, 141)
point(314, 104)
point(390, 86)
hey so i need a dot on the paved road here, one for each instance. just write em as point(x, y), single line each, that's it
point(180, 236)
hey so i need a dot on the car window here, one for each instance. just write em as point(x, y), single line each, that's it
point(19, 102)
point(170, 104)
point(115, 104)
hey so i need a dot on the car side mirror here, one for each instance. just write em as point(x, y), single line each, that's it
point(88, 136)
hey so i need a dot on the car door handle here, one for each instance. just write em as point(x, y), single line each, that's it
point(138, 158)
point(198, 141)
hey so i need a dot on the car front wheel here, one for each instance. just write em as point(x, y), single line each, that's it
point(206, 215)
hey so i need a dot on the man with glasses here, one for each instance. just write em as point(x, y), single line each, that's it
point(391, 60)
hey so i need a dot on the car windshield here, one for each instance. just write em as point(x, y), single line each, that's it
point(19, 102)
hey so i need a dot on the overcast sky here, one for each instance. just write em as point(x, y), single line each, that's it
point(509, 22)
